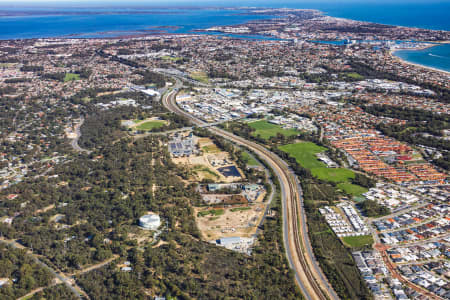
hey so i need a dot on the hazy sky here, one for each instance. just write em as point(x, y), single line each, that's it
point(223, 2)
point(229, 3)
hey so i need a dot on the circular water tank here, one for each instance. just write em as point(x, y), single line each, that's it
point(150, 221)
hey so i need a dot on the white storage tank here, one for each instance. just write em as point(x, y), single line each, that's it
point(150, 221)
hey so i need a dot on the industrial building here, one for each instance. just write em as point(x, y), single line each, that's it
point(182, 146)
point(236, 243)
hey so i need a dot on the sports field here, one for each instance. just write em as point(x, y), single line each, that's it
point(150, 125)
point(304, 153)
point(267, 130)
point(71, 76)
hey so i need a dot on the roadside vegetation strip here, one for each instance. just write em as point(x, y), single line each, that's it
point(358, 241)
point(267, 130)
point(333, 256)
point(249, 159)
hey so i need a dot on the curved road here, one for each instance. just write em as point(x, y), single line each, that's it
point(308, 274)
point(74, 142)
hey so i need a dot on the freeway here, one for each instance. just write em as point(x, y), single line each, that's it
point(180, 76)
point(308, 274)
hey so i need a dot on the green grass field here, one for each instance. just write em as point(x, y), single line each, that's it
point(240, 209)
point(358, 241)
point(206, 172)
point(200, 76)
point(333, 175)
point(355, 76)
point(150, 125)
point(352, 189)
point(167, 57)
point(212, 212)
point(304, 153)
point(267, 130)
point(210, 149)
point(249, 159)
point(7, 65)
point(71, 77)
point(358, 199)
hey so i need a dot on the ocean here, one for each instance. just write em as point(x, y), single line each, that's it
point(435, 57)
point(117, 20)
point(429, 14)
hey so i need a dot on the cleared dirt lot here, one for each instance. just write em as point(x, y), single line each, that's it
point(235, 221)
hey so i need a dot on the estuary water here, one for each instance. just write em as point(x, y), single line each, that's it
point(110, 23)
point(94, 19)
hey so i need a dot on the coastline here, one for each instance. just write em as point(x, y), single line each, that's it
point(269, 13)
point(405, 62)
